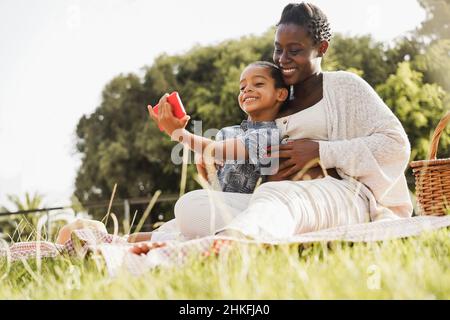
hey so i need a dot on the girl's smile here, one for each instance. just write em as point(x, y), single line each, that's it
point(249, 99)
point(258, 96)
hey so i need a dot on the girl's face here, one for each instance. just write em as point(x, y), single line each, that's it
point(296, 54)
point(257, 90)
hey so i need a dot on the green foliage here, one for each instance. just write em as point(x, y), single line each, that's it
point(361, 53)
point(434, 34)
point(21, 227)
point(435, 63)
point(418, 105)
point(437, 23)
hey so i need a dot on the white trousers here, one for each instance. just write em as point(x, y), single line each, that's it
point(276, 210)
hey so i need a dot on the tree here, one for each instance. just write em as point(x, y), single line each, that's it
point(434, 34)
point(360, 53)
point(437, 23)
point(29, 202)
point(434, 63)
point(418, 105)
point(21, 226)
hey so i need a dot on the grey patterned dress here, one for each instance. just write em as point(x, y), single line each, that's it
point(242, 176)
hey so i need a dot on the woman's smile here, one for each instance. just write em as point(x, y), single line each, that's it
point(288, 73)
point(295, 53)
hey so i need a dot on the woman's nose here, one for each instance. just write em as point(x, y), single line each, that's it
point(283, 58)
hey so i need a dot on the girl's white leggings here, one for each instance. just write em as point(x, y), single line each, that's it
point(276, 210)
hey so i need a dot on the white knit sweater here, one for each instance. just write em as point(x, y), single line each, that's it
point(367, 143)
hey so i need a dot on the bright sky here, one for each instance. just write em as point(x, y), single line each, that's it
point(57, 55)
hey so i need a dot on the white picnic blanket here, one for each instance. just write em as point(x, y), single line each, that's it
point(117, 255)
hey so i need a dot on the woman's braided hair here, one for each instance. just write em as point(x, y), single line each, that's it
point(309, 16)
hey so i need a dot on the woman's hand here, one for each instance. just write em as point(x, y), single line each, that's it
point(165, 117)
point(201, 166)
point(295, 156)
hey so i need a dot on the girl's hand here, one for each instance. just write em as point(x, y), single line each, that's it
point(296, 155)
point(166, 119)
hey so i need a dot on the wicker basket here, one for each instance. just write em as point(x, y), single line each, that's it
point(432, 178)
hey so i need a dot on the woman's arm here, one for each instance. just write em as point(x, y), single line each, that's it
point(372, 145)
point(201, 167)
point(299, 160)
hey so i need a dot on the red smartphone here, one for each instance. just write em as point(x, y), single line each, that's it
point(177, 106)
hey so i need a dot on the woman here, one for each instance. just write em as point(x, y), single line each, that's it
point(333, 117)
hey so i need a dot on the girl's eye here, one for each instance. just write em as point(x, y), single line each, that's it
point(242, 88)
point(297, 51)
point(259, 84)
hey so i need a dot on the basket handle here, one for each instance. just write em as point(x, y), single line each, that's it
point(437, 135)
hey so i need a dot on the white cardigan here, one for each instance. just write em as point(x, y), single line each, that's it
point(367, 143)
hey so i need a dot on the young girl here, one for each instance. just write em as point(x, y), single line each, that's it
point(243, 147)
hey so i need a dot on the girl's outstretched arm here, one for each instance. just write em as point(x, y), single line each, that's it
point(230, 149)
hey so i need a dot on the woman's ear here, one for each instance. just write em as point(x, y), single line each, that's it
point(283, 94)
point(323, 47)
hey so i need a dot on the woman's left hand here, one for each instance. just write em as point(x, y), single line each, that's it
point(294, 156)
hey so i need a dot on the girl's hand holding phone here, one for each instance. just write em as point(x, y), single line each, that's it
point(166, 119)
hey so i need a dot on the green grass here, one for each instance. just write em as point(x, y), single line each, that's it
point(413, 268)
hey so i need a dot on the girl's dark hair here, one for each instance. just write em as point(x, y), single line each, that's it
point(275, 72)
point(308, 16)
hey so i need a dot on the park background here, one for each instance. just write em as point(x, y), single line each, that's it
point(76, 78)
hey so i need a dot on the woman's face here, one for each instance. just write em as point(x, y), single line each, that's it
point(295, 53)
